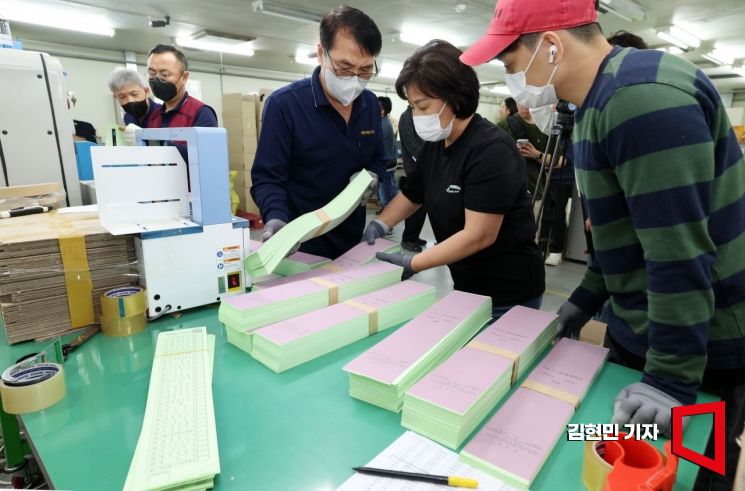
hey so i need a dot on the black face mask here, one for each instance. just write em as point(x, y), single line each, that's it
point(163, 89)
point(136, 108)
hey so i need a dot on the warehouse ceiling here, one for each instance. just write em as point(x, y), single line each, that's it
point(280, 38)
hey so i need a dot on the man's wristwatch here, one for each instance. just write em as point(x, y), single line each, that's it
point(540, 155)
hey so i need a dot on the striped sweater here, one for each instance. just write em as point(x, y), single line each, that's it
point(664, 178)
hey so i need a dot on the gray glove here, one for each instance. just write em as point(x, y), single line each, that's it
point(571, 320)
point(399, 260)
point(372, 189)
point(374, 231)
point(272, 227)
point(640, 403)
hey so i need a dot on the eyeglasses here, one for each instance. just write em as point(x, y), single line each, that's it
point(346, 74)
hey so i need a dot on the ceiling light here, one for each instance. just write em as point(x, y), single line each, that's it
point(306, 57)
point(460, 7)
point(390, 69)
point(500, 89)
point(285, 12)
point(66, 18)
point(419, 36)
point(679, 37)
point(628, 10)
point(672, 50)
point(242, 48)
point(720, 56)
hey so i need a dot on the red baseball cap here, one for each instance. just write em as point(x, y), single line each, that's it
point(513, 18)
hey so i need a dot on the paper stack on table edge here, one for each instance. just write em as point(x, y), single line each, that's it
point(449, 403)
point(244, 313)
point(299, 262)
point(312, 224)
point(294, 341)
point(514, 444)
point(413, 453)
point(358, 255)
point(177, 447)
point(386, 371)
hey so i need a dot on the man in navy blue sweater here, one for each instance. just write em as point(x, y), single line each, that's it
point(320, 131)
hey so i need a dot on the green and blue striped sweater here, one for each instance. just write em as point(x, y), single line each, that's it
point(664, 178)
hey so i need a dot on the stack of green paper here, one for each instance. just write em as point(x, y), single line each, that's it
point(244, 313)
point(177, 448)
point(452, 400)
point(267, 258)
point(295, 341)
point(362, 253)
point(298, 262)
point(385, 372)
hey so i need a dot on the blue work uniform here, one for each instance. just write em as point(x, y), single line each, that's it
point(306, 154)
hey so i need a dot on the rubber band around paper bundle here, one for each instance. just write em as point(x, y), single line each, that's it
point(501, 352)
point(372, 317)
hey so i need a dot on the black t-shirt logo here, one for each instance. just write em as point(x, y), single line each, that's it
point(453, 189)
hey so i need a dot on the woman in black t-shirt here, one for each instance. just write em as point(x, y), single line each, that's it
point(471, 180)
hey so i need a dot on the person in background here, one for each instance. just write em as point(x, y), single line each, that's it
point(664, 178)
point(411, 145)
point(557, 193)
point(531, 142)
point(84, 131)
point(627, 40)
point(387, 189)
point(506, 109)
point(167, 71)
point(471, 179)
point(319, 132)
point(133, 95)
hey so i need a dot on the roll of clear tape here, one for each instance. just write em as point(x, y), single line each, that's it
point(22, 391)
point(123, 311)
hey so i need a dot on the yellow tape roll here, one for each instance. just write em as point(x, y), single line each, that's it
point(22, 399)
point(123, 327)
point(595, 470)
point(123, 311)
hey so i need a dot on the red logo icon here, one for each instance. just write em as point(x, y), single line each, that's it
point(717, 409)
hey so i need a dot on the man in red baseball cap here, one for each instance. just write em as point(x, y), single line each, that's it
point(664, 178)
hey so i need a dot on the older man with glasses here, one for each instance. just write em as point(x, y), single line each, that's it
point(319, 132)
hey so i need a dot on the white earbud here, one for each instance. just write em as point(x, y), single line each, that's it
point(552, 53)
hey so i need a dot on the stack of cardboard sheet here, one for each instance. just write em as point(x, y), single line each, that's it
point(53, 269)
point(240, 116)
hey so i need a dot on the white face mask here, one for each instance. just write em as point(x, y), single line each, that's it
point(544, 118)
point(342, 89)
point(428, 127)
point(530, 95)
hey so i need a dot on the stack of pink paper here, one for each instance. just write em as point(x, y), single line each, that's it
point(244, 313)
point(358, 255)
point(518, 439)
point(385, 372)
point(294, 341)
point(453, 399)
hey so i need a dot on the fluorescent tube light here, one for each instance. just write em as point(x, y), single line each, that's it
point(66, 18)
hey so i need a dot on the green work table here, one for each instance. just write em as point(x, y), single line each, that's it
point(294, 431)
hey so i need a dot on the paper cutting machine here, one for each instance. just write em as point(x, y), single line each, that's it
point(190, 249)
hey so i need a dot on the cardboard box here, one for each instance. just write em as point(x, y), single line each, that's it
point(593, 332)
point(239, 127)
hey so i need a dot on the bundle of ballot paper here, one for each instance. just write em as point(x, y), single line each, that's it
point(265, 260)
point(386, 371)
point(299, 262)
point(514, 444)
point(294, 341)
point(447, 404)
point(362, 253)
point(244, 313)
point(177, 448)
